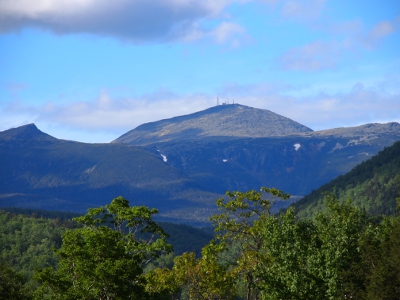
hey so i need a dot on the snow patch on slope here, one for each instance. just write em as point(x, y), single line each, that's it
point(164, 157)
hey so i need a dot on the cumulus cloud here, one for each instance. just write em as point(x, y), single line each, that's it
point(133, 20)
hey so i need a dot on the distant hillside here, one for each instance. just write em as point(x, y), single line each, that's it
point(232, 120)
point(39, 171)
point(296, 164)
point(373, 185)
point(184, 176)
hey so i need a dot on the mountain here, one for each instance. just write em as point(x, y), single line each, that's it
point(43, 172)
point(230, 120)
point(179, 173)
point(373, 185)
point(296, 164)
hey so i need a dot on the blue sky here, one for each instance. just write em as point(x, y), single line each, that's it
point(90, 70)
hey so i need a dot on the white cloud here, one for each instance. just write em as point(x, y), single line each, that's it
point(131, 20)
point(359, 105)
point(143, 20)
point(105, 113)
point(105, 118)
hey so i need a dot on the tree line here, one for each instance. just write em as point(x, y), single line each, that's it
point(342, 253)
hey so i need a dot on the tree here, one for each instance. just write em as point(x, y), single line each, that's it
point(288, 267)
point(105, 258)
point(228, 263)
point(281, 257)
point(381, 259)
point(340, 230)
point(192, 278)
point(12, 284)
point(238, 242)
point(256, 255)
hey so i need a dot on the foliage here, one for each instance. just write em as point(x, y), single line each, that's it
point(381, 260)
point(192, 278)
point(43, 214)
point(343, 253)
point(186, 238)
point(12, 284)
point(372, 185)
point(229, 262)
point(26, 242)
point(281, 257)
point(119, 252)
point(105, 258)
point(340, 230)
point(235, 228)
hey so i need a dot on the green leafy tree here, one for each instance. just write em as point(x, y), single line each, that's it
point(281, 257)
point(12, 284)
point(256, 255)
point(239, 238)
point(381, 259)
point(288, 268)
point(340, 230)
point(105, 258)
point(228, 263)
point(192, 278)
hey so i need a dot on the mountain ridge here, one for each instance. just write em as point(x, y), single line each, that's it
point(182, 176)
point(229, 120)
point(365, 129)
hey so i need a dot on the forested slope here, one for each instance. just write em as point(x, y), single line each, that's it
point(28, 237)
point(341, 253)
point(27, 242)
point(372, 185)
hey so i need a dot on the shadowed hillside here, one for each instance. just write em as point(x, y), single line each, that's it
point(39, 171)
point(372, 185)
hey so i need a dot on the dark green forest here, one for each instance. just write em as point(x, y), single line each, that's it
point(372, 185)
point(119, 252)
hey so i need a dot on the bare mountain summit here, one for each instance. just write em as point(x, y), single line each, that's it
point(231, 120)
